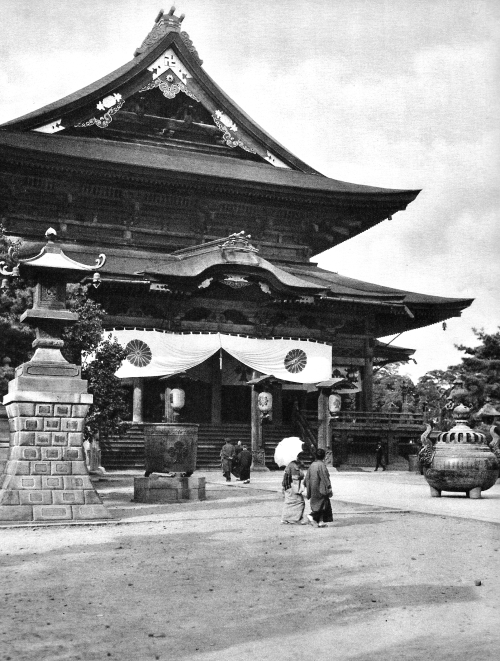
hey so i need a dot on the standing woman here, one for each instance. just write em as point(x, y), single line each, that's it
point(294, 490)
point(245, 461)
point(319, 491)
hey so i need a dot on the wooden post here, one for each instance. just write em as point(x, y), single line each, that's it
point(216, 416)
point(324, 424)
point(137, 415)
point(278, 403)
point(255, 422)
point(368, 376)
point(323, 419)
point(258, 452)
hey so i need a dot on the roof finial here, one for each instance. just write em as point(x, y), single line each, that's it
point(164, 23)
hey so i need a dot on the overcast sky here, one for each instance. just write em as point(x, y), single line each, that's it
point(394, 93)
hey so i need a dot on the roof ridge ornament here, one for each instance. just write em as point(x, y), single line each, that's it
point(164, 24)
point(238, 241)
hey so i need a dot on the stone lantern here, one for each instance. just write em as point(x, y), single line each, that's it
point(45, 477)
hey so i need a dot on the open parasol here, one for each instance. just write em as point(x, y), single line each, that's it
point(287, 450)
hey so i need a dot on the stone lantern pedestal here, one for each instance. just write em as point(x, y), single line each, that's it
point(45, 477)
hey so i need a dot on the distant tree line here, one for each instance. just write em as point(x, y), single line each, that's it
point(479, 369)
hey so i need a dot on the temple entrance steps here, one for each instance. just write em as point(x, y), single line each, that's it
point(126, 452)
point(210, 441)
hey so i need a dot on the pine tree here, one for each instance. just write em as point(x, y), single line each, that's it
point(480, 367)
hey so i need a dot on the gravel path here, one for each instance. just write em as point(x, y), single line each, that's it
point(222, 579)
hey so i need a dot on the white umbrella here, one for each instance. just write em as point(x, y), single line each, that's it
point(287, 450)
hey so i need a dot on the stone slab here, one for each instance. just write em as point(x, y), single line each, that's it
point(9, 497)
point(34, 497)
point(61, 385)
point(66, 497)
point(92, 498)
point(158, 489)
point(52, 513)
point(16, 513)
point(17, 468)
point(46, 396)
point(90, 512)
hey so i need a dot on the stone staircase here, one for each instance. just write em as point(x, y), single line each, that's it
point(127, 451)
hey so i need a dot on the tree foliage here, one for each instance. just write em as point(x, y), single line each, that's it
point(480, 367)
point(100, 360)
point(110, 406)
point(479, 370)
point(391, 389)
point(82, 338)
point(15, 337)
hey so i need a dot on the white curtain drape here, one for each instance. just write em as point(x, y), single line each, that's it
point(153, 353)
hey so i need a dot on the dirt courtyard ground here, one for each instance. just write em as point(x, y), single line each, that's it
point(222, 579)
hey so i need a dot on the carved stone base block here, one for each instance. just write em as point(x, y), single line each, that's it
point(259, 461)
point(160, 489)
point(45, 477)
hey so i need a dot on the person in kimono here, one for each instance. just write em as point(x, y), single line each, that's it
point(294, 490)
point(319, 491)
point(245, 461)
point(226, 457)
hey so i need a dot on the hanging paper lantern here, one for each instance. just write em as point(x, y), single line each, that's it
point(265, 402)
point(334, 403)
point(177, 398)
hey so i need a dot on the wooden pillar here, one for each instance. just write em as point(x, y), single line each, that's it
point(324, 424)
point(278, 403)
point(137, 415)
point(216, 416)
point(256, 430)
point(258, 452)
point(368, 375)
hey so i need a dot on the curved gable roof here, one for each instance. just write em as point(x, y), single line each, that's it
point(152, 60)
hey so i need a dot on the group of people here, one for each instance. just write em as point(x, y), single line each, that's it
point(298, 484)
point(236, 460)
point(313, 484)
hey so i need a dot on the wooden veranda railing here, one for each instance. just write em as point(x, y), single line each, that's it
point(377, 420)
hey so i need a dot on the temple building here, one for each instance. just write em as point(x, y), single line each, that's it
point(209, 226)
